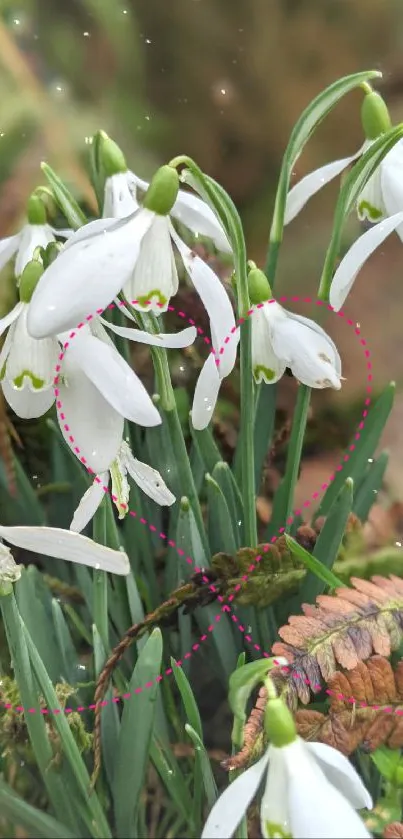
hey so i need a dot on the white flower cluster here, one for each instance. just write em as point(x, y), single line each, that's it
point(130, 253)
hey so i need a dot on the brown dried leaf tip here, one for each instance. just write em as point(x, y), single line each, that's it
point(343, 629)
point(366, 709)
point(394, 830)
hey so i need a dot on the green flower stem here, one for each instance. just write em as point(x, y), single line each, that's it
point(247, 397)
point(168, 405)
point(100, 579)
point(284, 498)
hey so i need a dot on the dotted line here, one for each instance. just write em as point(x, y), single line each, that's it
point(225, 609)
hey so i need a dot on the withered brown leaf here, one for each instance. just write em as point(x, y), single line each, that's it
point(366, 709)
point(342, 629)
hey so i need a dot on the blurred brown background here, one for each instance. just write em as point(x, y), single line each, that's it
point(223, 81)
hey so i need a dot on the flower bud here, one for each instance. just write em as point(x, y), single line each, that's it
point(29, 279)
point(375, 116)
point(36, 210)
point(279, 723)
point(111, 157)
point(10, 572)
point(258, 285)
point(163, 191)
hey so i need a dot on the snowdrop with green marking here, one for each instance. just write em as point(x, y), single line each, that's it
point(282, 339)
point(311, 790)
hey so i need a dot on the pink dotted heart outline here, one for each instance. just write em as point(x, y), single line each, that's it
point(225, 609)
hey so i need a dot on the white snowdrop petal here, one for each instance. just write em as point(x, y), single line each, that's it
point(191, 211)
point(26, 403)
point(184, 338)
point(114, 379)
point(150, 481)
point(229, 808)
point(217, 304)
point(308, 186)
point(89, 503)
point(370, 204)
point(331, 349)
point(316, 809)
point(341, 774)
point(357, 255)
point(31, 362)
point(65, 544)
point(273, 808)
point(206, 394)
point(87, 275)
point(32, 236)
point(155, 276)
point(391, 182)
point(119, 198)
point(266, 365)
point(308, 353)
point(11, 317)
point(92, 422)
point(8, 247)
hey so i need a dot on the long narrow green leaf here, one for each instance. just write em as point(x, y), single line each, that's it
point(188, 698)
point(36, 822)
point(284, 497)
point(369, 438)
point(135, 736)
point(220, 526)
point(57, 786)
point(265, 415)
point(223, 476)
point(35, 606)
point(328, 542)
point(365, 495)
point(210, 786)
point(96, 816)
point(170, 773)
point(224, 649)
point(110, 724)
point(313, 564)
point(68, 205)
point(206, 447)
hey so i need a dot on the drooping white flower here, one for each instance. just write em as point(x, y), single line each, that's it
point(283, 339)
point(357, 255)
point(34, 234)
point(107, 256)
point(64, 544)
point(27, 365)
point(312, 792)
point(382, 195)
point(148, 479)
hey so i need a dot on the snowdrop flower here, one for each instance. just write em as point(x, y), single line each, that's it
point(121, 197)
point(96, 390)
point(148, 479)
point(36, 233)
point(311, 790)
point(133, 253)
point(282, 339)
point(60, 544)
point(382, 195)
point(26, 365)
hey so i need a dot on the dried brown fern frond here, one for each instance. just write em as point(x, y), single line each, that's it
point(343, 629)
point(366, 709)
